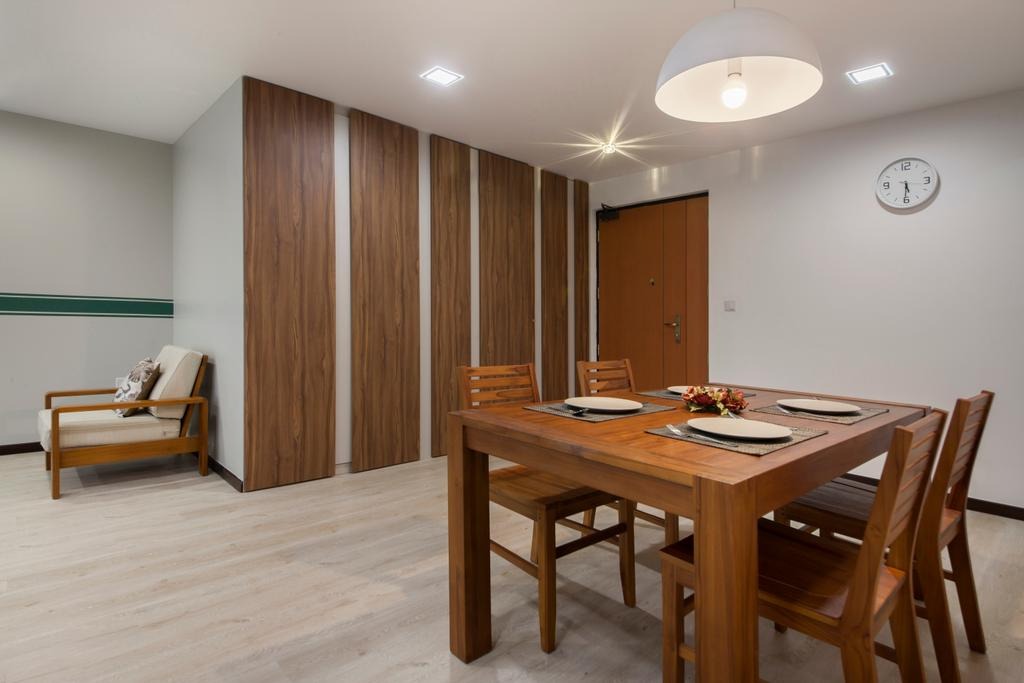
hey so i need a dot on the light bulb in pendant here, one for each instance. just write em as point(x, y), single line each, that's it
point(608, 148)
point(734, 94)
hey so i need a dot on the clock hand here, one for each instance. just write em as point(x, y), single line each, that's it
point(906, 188)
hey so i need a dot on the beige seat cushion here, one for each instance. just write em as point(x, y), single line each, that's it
point(103, 427)
point(178, 368)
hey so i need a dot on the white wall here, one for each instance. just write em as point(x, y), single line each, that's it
point(836, 294)
point(208, 275)
point(85, 213)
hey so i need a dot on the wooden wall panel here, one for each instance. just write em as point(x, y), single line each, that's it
point(581, 268)
point(554, 290)
point(450, 279)
point(383, 160)
point(696, 290)
point(506, 260)
point(288, 160)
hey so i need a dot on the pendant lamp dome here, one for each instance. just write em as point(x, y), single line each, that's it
point(740, 64)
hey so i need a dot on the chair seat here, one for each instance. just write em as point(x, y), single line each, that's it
point(105, 427)
point(844, 505)
point(528, 492)
point(799, 572)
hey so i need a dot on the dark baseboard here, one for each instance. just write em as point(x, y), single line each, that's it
point(15, 448)
point(986, 506)
point(226, 475)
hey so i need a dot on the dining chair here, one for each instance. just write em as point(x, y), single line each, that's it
point(597, 377)
point(843, 506)
point(828, 589)
point(544, 498)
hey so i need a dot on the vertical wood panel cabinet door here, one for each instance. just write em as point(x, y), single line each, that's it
point(581, 268)
point(653, 291)
point(554, 211)
point(384, 176)
point(506, 260)
point(450, 280)
point(288, 160)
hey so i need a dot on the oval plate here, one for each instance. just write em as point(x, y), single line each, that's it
point(749, 430)
point(814, 405)
point(604, 404)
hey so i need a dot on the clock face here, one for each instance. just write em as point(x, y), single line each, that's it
point(906, 183)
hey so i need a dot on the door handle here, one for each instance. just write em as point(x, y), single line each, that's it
point(677, 324)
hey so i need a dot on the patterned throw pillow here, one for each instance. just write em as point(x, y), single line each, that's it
point(137, 385)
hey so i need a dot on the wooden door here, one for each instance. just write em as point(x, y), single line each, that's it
point(653, 291)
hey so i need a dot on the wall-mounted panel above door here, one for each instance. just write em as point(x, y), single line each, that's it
point(384, 169)
point(450, 280)
point(288, 175)
point(506, 260)
point(554, 277)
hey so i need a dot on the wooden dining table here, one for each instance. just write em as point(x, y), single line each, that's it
point(722, 491)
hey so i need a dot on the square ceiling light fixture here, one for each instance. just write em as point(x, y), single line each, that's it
point(441, 76)
point(869, 73)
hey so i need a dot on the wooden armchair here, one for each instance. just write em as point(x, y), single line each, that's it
point(95, 435)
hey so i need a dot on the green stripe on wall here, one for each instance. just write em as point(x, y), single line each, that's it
point(86, 306)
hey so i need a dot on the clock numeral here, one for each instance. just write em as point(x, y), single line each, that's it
point(885, 185)
point(927, 180)
point(905, 166)
point(906, 200)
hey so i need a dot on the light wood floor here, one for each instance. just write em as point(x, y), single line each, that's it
point(145, 572)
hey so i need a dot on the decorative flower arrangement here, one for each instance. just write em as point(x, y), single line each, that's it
point(720, 400)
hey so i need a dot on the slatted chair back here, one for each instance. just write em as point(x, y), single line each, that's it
point(595, 377)
point(491, 385)
point(956, 462)
point(894, 516)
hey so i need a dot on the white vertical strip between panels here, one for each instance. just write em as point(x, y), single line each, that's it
point(474, 257)
point(538, 321)
point(424, 242)
point(343, 296)
point(570, 223)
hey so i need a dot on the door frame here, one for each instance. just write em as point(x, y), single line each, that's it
point(606, 209)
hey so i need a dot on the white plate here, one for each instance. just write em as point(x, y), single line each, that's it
point(815, 405)
point(604, 404)
point(682, 389)
point(752, 430)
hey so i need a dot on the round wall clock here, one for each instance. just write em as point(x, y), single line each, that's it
point(907, 183)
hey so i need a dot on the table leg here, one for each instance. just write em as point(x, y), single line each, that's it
point(726, 594)
point(469, 568)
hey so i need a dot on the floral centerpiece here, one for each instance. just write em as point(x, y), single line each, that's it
point(720, 400)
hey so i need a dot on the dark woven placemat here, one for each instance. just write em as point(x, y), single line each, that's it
point(757, 448)
point(665, 393)
point(852, 418)
point(563, 410)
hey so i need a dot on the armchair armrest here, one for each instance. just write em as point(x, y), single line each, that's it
point(128, 404)
point(50, 395)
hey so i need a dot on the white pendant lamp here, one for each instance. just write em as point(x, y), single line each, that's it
point(741, 64)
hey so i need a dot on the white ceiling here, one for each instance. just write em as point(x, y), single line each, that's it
point(537, 71)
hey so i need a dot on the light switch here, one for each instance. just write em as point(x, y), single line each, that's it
point(730, 305)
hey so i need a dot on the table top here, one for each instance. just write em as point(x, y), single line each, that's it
point(625, 444)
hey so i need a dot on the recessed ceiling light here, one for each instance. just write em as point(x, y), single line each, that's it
point(609, 148)
point(441, 76)
point(869, 73)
